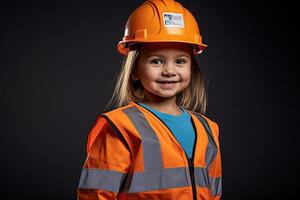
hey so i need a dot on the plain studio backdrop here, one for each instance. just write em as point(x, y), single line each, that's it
point(58, 63)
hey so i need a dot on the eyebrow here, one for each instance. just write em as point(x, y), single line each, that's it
point(159, 55)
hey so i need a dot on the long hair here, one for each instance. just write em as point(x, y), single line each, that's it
point(126, 89)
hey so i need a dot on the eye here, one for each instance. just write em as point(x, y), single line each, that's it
point(181, 61)
point(156, 61)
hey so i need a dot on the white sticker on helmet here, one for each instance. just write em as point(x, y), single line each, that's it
point(173, 20)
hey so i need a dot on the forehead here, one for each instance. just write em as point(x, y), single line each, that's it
point(165, 48)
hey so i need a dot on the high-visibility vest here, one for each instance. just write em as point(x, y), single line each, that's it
point(132, 154)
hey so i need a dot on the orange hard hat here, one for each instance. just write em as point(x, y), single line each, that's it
point(161, 21)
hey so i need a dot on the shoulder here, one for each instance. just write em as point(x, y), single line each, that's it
point(118, 110)
point(212, 123)
point(106, 124)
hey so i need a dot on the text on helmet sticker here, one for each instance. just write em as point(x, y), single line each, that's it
point(173, 20)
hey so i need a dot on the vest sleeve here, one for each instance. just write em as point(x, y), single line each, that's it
point(106, 165)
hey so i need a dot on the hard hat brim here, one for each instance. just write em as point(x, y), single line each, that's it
point(125, 46)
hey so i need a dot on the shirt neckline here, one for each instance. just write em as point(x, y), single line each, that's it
point(183, 114)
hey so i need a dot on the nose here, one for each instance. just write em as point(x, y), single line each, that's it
point(169, 69)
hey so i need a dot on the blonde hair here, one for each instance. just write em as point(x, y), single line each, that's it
point(194, 97)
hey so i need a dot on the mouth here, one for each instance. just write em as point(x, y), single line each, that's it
point(167, 82)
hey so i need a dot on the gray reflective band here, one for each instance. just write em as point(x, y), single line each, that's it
point(203, 180)
point(150, 142)
point(216, 185)
point(211, 149)
point(201, 176)
point(168, 178)
point(100, 179)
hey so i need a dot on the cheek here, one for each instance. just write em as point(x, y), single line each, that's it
point(186, 75)
point(150, 73)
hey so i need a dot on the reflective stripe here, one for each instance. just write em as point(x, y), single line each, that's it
point(150, 143)
point(211, 150)
point(100, 179)
point(201, 176)
point(203, 180)
point(216, 185)
point(169, 178)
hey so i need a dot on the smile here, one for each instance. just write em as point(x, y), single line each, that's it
point(167, 82)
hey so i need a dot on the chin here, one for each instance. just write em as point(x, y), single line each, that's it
point(166, 95)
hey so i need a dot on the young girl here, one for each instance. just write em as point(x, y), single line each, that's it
point(157, 143)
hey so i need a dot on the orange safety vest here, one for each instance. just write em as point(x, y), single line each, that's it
point(132, 154)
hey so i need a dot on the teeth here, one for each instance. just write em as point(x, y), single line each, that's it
point(167, 82)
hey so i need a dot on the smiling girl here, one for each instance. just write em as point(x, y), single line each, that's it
point(156, 143)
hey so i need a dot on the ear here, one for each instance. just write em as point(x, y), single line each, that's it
point(134, 74)
point(134, 77)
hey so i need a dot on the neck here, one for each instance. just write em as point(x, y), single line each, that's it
point(166, 105)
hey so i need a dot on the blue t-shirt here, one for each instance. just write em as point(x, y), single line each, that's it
point(180, 125)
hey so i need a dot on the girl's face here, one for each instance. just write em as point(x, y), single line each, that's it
point(164, 69)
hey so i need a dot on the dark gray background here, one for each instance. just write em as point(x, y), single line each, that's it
point(58, 62)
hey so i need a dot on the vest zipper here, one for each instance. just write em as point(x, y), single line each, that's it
point(191, 169)
point(191, 164)
point(190, 160)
